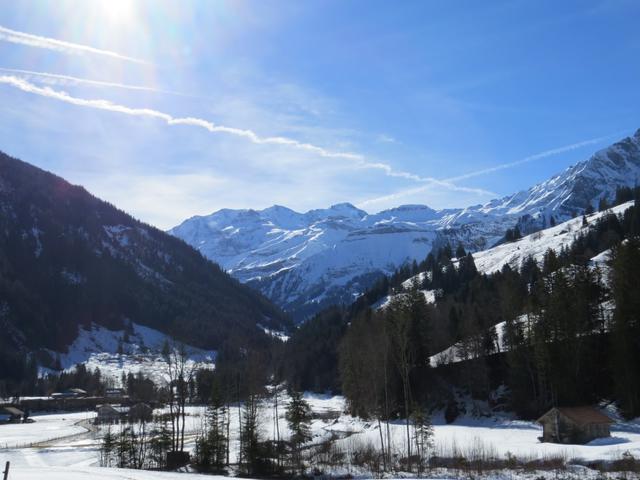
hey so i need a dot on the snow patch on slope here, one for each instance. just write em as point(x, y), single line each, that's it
point(115, 352)
point(536, 244)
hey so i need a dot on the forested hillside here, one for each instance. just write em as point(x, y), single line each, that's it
point(562, 330)
point(69, 259)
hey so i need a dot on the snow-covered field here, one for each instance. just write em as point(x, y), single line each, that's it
point(76, 455)
point(46, 427)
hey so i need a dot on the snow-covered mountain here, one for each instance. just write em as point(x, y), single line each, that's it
point(305, 261)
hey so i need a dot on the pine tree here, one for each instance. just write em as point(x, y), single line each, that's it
point(298, 417)
point(214, 444)
point(250, 437)
point(422, 435)
point(625, 265)
point(107, 448)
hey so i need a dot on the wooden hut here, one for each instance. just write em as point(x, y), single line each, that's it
point(10, 414)
point(574, 425)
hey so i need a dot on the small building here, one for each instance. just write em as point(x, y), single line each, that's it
point(111, 413)
point(114, 392)
point(10, 415)
point(574, 425)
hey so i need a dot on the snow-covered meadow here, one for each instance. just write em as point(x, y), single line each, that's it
point(33, 454)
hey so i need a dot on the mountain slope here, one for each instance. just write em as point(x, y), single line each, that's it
point(68, 259)
point(306, 261)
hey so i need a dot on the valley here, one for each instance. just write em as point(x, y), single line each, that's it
point(328, 240)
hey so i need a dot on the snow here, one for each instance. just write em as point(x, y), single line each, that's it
point(274, 333)
point(537, 244)
point(45, 427)
point(81, 472)
point(36, 232)
point(97, 347)
point(76, 455)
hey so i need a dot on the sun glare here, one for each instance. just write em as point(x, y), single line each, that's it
point(117, 11)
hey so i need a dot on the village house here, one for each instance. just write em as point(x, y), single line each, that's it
point(111, 413)
point(574, 425)
point(107, 413)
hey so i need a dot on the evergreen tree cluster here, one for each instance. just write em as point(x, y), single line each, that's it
point(561, 345)
point(69, 260)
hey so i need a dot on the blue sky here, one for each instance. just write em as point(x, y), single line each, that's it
point(246, 104)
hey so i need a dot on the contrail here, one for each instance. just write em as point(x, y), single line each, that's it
point(28, 87)
point(484, 171)
point(358, 160)
point(55, 79)
point(37, 41)
point(537, 156)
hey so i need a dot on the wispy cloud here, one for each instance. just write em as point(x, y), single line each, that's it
point(358, 160)
point(384, 138)
point(448, 181)
point(67, 80)
point(38, 41)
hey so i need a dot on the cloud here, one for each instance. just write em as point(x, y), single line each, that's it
point(57, 79)
point(384, 138)
point(37, 41)
point(356, 159)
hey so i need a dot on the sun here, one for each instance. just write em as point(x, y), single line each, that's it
point(117, 12)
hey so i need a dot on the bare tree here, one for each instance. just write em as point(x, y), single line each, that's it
point(399, 328)
point(180, 373)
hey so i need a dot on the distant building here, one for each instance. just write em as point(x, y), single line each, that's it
point(114, 392)
point(70, 393)
point(574, 425)
point(10, 415)
point(107, 413)
point(111, 413)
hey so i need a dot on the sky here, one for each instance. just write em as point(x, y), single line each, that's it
point(170, 109)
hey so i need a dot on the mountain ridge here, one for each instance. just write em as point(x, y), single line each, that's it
point(69, 260)
point(326, 257)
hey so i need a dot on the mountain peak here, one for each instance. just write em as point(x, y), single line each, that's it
point(327, 255)
point(343, 206)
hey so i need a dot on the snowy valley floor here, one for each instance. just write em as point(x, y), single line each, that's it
point(65, 446)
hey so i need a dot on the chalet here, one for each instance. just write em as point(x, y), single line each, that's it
point(107, 413)
point(10, 415)
point(574, 425)
point(111, 413)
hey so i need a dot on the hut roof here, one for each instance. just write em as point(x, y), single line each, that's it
point(581, 415)
point(12, 411)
